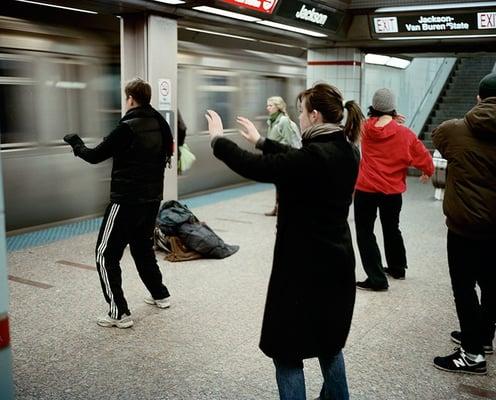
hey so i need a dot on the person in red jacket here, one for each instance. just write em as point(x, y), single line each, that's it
point(388, 149)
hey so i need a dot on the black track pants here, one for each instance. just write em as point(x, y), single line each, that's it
point(123, 225)
point(389, 206)
point(471, 264)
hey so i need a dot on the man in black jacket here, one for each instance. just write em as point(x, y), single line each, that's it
point(141, 146)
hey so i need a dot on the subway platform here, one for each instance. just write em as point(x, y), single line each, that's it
point(206, 345)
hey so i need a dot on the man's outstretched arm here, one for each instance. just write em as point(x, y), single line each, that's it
point(106, 149)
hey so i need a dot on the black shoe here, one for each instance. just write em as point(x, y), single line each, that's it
point(459, 362)
point(456, 336)
point(365, 285)
point(272, 213)
point(396, 274)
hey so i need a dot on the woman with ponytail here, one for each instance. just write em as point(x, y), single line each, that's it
point(311, 292)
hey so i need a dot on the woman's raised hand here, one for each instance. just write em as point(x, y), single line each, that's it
point(214, 124)
point(249, 132)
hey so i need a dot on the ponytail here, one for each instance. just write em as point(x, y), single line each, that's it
point(353, 121)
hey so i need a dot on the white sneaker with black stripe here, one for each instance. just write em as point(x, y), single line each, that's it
point(461, 362)
point(108, 322)
point(160, 303)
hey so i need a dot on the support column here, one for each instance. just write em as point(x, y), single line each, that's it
point(340, 67)
point(6, 382)
point(149, 51)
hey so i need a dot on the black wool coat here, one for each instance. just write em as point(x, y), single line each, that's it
point(311, 292)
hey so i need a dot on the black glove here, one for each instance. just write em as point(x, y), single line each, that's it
point(73, 139)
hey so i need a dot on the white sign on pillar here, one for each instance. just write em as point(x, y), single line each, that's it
point(164, 94)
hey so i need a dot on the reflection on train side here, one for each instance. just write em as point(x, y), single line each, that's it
point(54, 84)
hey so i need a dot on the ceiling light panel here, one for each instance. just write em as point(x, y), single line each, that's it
point(428, 7)
point(57, 6)
point(291, 28)
point(220, 34)
point(171, 2)
point(225, 13)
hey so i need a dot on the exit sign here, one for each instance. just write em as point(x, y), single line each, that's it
point(486, 20)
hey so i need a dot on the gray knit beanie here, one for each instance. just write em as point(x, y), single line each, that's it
point(383, 100)
point(487, 86)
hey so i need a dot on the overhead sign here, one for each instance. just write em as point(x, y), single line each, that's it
point(310, 15)
point(265, 6)
point(466, 23)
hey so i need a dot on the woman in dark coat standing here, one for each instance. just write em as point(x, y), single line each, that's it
point(311, 292)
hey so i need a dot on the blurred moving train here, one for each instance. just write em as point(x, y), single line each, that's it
point(56, 80)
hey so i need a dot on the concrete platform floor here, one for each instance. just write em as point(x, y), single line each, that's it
point(206, 345)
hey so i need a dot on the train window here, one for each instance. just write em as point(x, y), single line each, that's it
point(67, 100)
point(17, 114)
point(10, 67)
point(107, 86)
point(217, 90)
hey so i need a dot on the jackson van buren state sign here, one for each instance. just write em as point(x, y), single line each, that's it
point(435, 23)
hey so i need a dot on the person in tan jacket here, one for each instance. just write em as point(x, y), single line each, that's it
point(469, 146)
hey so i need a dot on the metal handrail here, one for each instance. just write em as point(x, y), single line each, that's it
point(429, 91)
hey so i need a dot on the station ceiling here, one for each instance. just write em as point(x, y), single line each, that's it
point(354, 26)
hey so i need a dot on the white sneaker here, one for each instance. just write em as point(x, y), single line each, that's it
point(108, 322)
point(160, 303)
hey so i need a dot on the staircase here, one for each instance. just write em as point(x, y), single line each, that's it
point(459, 95)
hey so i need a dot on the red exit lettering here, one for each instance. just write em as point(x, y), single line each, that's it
point(486, 20)
point(265, 6)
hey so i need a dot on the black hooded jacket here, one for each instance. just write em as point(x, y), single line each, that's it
point(141, 145)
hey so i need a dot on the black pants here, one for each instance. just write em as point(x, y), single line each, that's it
point(365, 207)
point(123, 225)
point(471, 262)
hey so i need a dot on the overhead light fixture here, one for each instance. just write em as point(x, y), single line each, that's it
point(281, 44)
point(291, 28)
point(428, 7)
point(56, 6)
point(376, 59)
point(225, 13)
point(397, 63)
point(436, 37)
point(220, 34)
point(387, 61)
point(171, 2)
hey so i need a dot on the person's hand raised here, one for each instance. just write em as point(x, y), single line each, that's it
point(400, 119)
point(215, 127)
point(424, 178)
point(249, 132)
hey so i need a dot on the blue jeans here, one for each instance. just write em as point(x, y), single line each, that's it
point(291, 379)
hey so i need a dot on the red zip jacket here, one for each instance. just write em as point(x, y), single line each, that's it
point(387, 152)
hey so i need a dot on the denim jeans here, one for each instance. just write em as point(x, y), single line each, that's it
point(291, 379)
